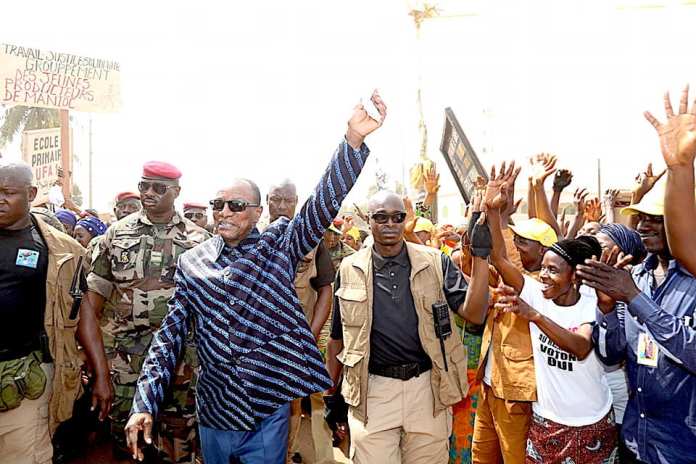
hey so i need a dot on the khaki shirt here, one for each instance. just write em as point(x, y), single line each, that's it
point(512, 374)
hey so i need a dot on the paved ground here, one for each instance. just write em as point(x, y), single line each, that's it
point(100, 453)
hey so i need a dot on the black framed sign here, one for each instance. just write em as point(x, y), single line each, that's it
point(460, 156)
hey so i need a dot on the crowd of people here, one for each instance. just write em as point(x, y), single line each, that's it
point(507, 337)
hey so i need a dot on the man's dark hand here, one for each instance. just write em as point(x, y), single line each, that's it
point(336, 410)
point(615, 283)
point(102, 396)
point(562, 179)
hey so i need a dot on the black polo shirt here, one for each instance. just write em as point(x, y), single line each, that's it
point(23, 270)
point(394, 336)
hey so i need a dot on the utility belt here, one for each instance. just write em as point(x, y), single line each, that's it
point(403, 371)
point(21, 378)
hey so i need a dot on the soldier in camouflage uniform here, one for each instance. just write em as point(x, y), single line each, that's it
point(126, 203)
point(133, 277)
point(337, 249)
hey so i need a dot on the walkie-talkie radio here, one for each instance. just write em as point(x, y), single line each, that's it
point(443, 328)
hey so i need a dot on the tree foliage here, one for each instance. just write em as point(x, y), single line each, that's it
point(19, 118)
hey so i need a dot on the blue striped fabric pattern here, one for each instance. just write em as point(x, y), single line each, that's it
point(255, 348)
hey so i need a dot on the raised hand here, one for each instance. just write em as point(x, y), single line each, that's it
point(431, 181)
point(610, 196)
point(543, 164)
point(360, 124)
point(360, 213)
point(497, 195)
point(678, 133)
point(562, 179)
point(579, 199)
point(513, 204)
point(411, 218)
point(593, 210)
point(565, 224)
point(646, 180)
point(477, 204)
point(347, 224)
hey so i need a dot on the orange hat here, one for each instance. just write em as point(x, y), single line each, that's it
point(161, 170)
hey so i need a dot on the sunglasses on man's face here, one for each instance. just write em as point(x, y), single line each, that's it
point(383, 218)
point(193, 216)
point(157, 187)
point(236, 206)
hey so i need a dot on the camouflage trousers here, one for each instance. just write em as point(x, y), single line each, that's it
point(175, 430)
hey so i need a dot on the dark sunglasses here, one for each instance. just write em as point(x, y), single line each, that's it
point(382, 218)
point(235, 206)
point(157, 187)
point(194, 215)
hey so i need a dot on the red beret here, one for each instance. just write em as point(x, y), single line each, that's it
point(160, 169)
point(127, 196)
point(192, 204)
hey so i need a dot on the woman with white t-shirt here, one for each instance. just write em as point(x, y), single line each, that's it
point(572, 420)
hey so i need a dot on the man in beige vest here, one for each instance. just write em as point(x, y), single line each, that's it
point(400, 378)
point(41, 324)
point(313, 280)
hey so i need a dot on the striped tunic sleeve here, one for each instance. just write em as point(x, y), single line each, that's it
point(306, 229)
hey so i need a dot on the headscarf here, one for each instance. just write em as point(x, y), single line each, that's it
point(93, 225)
point(66, 217)
point(628, 240)
point(355, 233)
point(576, 251)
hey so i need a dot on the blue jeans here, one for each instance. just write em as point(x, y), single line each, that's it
point(268, 444)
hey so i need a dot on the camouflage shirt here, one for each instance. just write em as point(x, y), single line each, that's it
point(133, 268)
point(338, 253)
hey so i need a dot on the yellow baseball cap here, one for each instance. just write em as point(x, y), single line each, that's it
point(537, 230)
point(652, 204)
point(424, 225)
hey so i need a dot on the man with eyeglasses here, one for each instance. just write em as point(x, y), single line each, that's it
point(256, 349)
point(132, 279)
point(197, 213)
point(313, 283)
point(398, 372)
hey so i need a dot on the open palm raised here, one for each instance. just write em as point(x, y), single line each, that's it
point(678, 133)
point(496, 196)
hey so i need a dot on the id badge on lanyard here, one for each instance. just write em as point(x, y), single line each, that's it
point(648, 350)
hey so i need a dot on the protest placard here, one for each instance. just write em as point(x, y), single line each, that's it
point(460, 156)
point(50, 79)
point(41, 149)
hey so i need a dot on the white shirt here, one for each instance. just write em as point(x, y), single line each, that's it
point(488, 371)
point(569, 391)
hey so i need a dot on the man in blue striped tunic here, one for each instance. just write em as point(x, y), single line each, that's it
point(255, 348)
